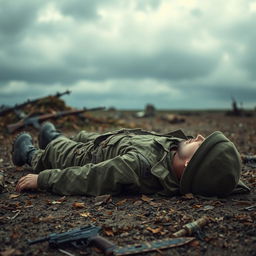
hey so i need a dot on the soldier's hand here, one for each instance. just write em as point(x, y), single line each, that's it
point(27, 182)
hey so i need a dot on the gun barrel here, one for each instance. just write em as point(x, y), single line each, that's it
point(59, 94)
point(95, 109)
point(39, 240)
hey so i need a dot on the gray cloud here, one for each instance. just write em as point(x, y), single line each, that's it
point(14, 17)
point(81, 9)
point(163, 65)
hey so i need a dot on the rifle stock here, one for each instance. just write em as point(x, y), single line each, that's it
point(36, 120)
point(103, 244)
point(13, 127)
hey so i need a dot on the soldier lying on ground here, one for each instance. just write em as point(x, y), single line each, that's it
point(129, 161)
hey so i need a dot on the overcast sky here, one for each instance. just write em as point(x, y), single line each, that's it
point(175, 54)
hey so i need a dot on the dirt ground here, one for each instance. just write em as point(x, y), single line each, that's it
point(127, 220)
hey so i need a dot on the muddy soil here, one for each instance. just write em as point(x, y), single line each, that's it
point(127, 220)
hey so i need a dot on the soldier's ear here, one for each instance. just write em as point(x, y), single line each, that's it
point(186, 163)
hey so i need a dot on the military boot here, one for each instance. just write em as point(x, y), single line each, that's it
point(47, 133)
point(22, 149)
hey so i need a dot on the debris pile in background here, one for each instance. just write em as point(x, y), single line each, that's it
point(52, 108)
point(48, 104)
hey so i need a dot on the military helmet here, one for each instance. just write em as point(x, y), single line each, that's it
point(214, 169)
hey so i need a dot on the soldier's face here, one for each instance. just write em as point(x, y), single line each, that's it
point(187, 148)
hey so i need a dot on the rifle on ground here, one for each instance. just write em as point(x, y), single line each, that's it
point(36, 120)
point(18, 106)
point(88, 236)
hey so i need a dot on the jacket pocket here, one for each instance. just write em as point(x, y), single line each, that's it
point(107, 149)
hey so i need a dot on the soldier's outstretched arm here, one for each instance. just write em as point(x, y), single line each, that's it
point(107, 177)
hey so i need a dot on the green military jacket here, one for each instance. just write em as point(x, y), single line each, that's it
point(124, 161)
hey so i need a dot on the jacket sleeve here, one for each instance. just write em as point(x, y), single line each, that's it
point(108, 177)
